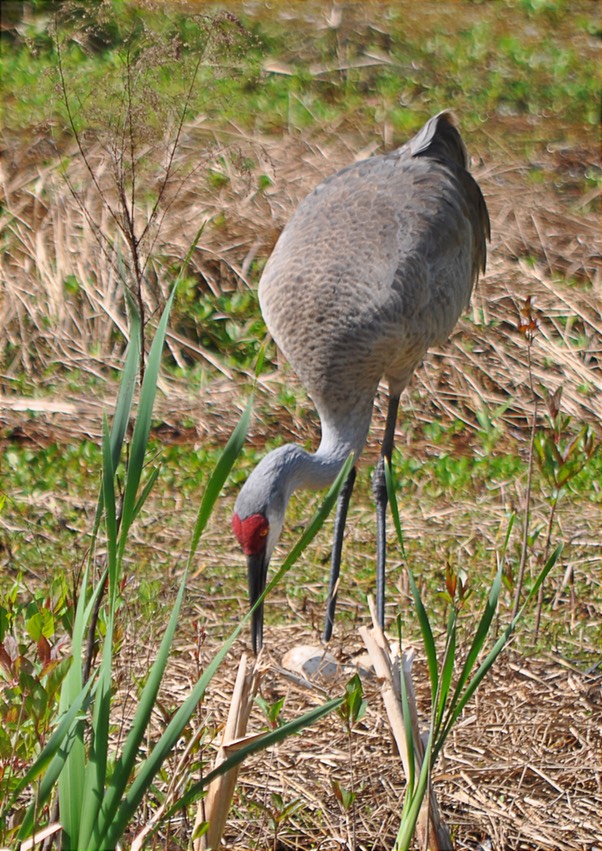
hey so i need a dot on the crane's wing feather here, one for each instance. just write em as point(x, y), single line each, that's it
point(376, 265)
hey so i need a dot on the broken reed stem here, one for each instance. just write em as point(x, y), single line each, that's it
point(214, 808)
point(431, 832)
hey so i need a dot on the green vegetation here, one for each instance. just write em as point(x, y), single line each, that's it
point(67, 749)
point(106, 189)
point(299, 68)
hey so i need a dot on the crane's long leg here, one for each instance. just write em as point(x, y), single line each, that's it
point(379, 489)
point(337, 549)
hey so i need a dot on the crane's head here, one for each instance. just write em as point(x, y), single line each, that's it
point(253, 533)
point(257, 522)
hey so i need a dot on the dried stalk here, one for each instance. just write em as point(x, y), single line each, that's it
point(215, 807)
point(431, 832)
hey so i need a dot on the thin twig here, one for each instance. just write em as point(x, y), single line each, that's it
point(527, 518)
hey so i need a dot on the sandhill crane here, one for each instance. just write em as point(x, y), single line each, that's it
point(375, 266)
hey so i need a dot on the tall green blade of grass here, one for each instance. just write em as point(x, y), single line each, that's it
point(117, 533)
point(447, 666)
point(415, 788)
point(132, 798)
point(410, 814)
point(95, 774)
point(142, 426)
point(125, 763)
point(428, 640)
point(423, 620)
point(486, 664)
point(131, 501)
point(51, 761)
point(72, 776)
point(123, 407)
point(480, 637)
point(95, 811)
point(446, 705)
point(57, 741)
point(220, 474)
point(81, 783)
point(127, 386)
point(112, 447)
point(274, 737)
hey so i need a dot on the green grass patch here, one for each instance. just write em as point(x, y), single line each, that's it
point(273, 72)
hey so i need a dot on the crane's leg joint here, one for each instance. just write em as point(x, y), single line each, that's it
point(379, 482)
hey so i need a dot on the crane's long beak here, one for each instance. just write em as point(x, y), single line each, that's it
point(257, 567)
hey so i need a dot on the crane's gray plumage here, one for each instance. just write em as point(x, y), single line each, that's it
point(375, 266)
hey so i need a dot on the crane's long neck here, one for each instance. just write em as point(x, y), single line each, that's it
point(269, 487)
point(290, 467)
point(339, 440)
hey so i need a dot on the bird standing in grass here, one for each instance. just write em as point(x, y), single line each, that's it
point(375, 266)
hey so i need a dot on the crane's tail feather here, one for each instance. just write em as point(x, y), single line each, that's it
point(440, 139)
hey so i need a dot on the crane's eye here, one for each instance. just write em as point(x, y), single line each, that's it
point(263, 532)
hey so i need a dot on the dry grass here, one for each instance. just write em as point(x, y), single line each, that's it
point(523, 769)
point(537, 245)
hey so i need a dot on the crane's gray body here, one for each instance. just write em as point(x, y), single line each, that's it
point(375, 266)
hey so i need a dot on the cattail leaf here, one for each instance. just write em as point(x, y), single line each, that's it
point(143, 423)
point(218, 477)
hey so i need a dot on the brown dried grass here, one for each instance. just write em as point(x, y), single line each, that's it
point(540, 239)
point(523, 768)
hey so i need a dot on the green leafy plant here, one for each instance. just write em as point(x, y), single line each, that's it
point(279, 812)
point(562, 454)
point(32, 668)
point(449, 693)
point(271, 710)
point(99, 791)
point(351, 711)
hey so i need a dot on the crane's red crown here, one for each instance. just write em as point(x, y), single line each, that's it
point(251, 533)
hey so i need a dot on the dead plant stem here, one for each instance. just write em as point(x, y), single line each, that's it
point(527, 517)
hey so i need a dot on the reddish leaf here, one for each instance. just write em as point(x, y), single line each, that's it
point(44, 650)
point(5, 661)
point(450, 582)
